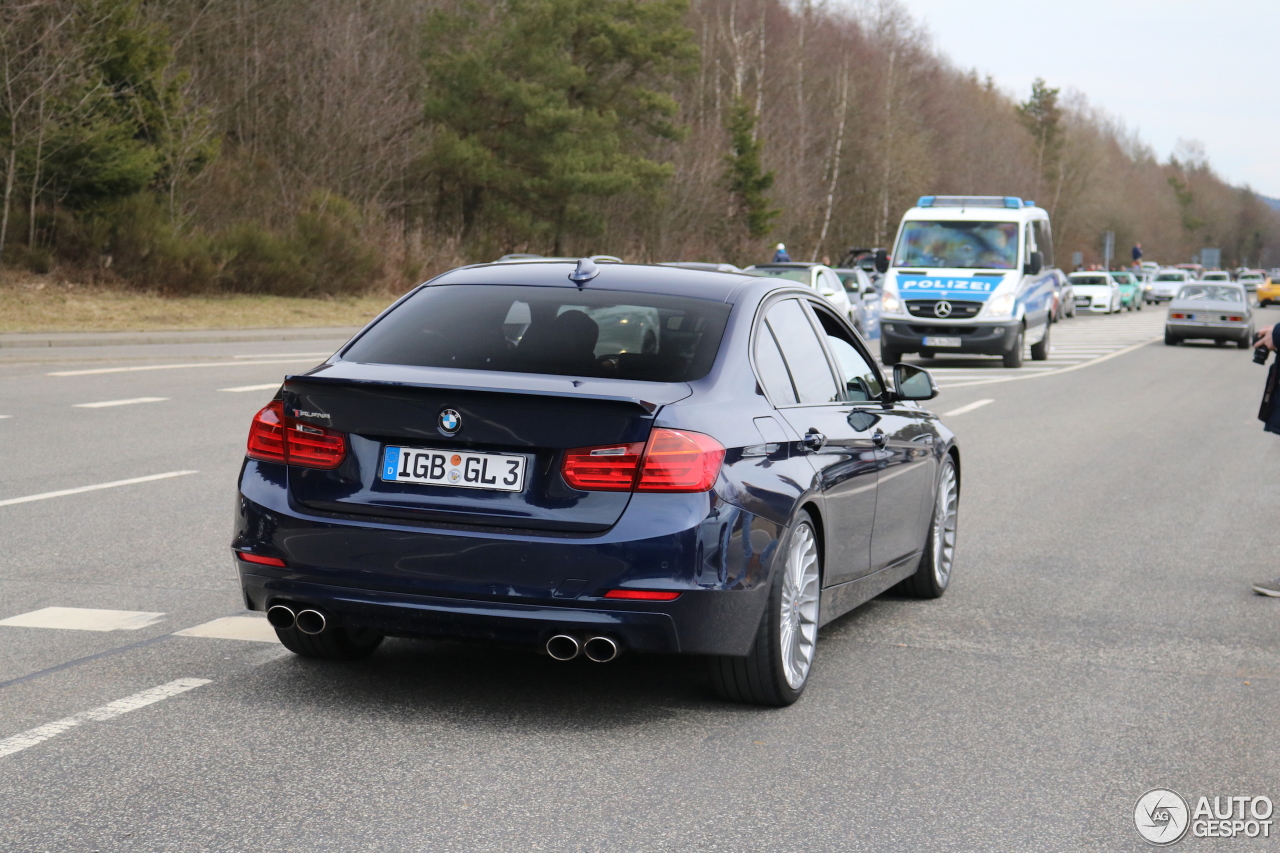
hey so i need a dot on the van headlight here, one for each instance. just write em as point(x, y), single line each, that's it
point(1000, 306)
point(891, 303)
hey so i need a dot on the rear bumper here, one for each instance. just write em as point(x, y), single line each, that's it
point(1209, 331)
point(511, 586)
point(980, 338)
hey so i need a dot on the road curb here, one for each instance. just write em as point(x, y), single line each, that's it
point(35, 340)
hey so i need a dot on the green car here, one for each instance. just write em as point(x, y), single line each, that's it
point(1130, 290)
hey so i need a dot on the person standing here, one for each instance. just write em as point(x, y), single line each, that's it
point(1269, 339)
point(1137, 254)
point(780, 255)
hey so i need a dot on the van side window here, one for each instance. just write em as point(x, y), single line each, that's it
point(1044, 241)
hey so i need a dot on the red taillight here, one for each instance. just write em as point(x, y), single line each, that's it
point(680, 461)
point(641, 595)
point(610, 468)
point(1234, 318)
point(671, 461)
point(1177, 316)
point(266, 434)
point(276, 438)
point(263, 561)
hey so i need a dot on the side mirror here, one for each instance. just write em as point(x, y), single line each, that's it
point(882, 261)
point(913, 383)
point(1035, 263)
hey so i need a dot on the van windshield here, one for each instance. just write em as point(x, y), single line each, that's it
point(959, 245)
point(556, 330)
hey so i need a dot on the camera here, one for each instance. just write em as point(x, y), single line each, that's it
point(1260, 353)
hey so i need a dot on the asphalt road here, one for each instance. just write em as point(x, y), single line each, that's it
point(1099, 640)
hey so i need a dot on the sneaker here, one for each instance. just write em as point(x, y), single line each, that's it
point(1271, 588)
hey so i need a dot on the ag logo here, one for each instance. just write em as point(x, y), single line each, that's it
point(1162, 817)
point(942, 309)
point(449, 421)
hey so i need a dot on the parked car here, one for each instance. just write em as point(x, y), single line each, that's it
point(1167, 284)
point(1250, 279)
point(1096, 292)
point(1218, 311)
point(817, 277)
point(1268, 291)
point(456, 472)
point(1066, 294)
point(1130, 291)
point(865, 298)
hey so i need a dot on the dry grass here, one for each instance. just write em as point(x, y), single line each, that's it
point(30, 303)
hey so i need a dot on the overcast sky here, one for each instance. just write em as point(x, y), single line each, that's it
point(1170, 69)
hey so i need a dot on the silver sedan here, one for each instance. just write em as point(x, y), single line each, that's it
point(1217, 311)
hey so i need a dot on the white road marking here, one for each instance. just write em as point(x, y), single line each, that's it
point(83, 619)
point(31, 737)
point(969, 408)
point(286, 355)
point(100, 370)
point(95, 487)
point(106, 403)
point(267, 387)
point(3, 417)
point(1107, 357)
point(254, 628)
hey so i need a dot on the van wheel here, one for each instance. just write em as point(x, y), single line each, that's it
point(1040, 351)
point(1013, 358)
point(777, 668)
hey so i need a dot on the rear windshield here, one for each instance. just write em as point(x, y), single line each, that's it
point(550, 330)
point(1217, 293)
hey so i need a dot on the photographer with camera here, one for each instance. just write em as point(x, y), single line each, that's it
point(1264, 343)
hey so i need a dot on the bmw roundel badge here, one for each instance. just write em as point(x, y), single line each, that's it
point(450, 421)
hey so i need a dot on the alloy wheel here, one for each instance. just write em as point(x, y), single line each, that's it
point(944, 527)
point(798, 627)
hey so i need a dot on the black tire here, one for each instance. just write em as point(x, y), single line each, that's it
point(928, 581)
point(1138, 304)
point(927, 353)
point(1220, 343)
point(1040, 351)
point(1013, 358)
point(1247, 341)
point(889, 357)
point(333, 643)
point(1170, 340)
point(758, 678)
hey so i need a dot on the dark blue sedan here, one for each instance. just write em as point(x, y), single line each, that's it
point(597, 459)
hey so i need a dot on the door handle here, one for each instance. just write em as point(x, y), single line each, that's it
point(814, 440)
point(879, 439)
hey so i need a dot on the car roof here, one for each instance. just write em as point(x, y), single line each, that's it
point(646, 278)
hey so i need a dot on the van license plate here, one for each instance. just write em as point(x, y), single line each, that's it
point(942, 342)
point(497, 472)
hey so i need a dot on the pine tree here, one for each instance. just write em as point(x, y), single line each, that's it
point(745, 177)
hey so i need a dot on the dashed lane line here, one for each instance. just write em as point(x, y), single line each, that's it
point(113, 484)
point(101, 370)
point(1058, 372)
point(978, 404)
point(265, 387)
point(103, 404)
point(111, 710)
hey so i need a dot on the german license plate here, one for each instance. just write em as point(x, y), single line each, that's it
point(942, 342)
point(498, 472)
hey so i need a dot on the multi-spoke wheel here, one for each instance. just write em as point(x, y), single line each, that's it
point(777, 668)
point(934, 573)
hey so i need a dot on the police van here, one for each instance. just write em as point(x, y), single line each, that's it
point(968, 275)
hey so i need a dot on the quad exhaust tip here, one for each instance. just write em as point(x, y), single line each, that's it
point(310, 621)
point(281, 616)
point(600, 649)
point(563, 647)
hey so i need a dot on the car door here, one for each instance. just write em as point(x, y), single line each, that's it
point(841, 451)
point(904, 490)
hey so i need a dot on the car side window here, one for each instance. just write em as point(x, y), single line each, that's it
point(861, 382)
point(772, 370)
point(803, 352)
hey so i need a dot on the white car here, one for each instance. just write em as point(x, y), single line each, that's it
point(821, 278)
point(1251, 279)
point(1167, 284)
point(1095, 292)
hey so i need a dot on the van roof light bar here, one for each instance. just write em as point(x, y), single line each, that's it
point(1008, 201)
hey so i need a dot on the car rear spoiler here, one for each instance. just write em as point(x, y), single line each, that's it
point(649, 396)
